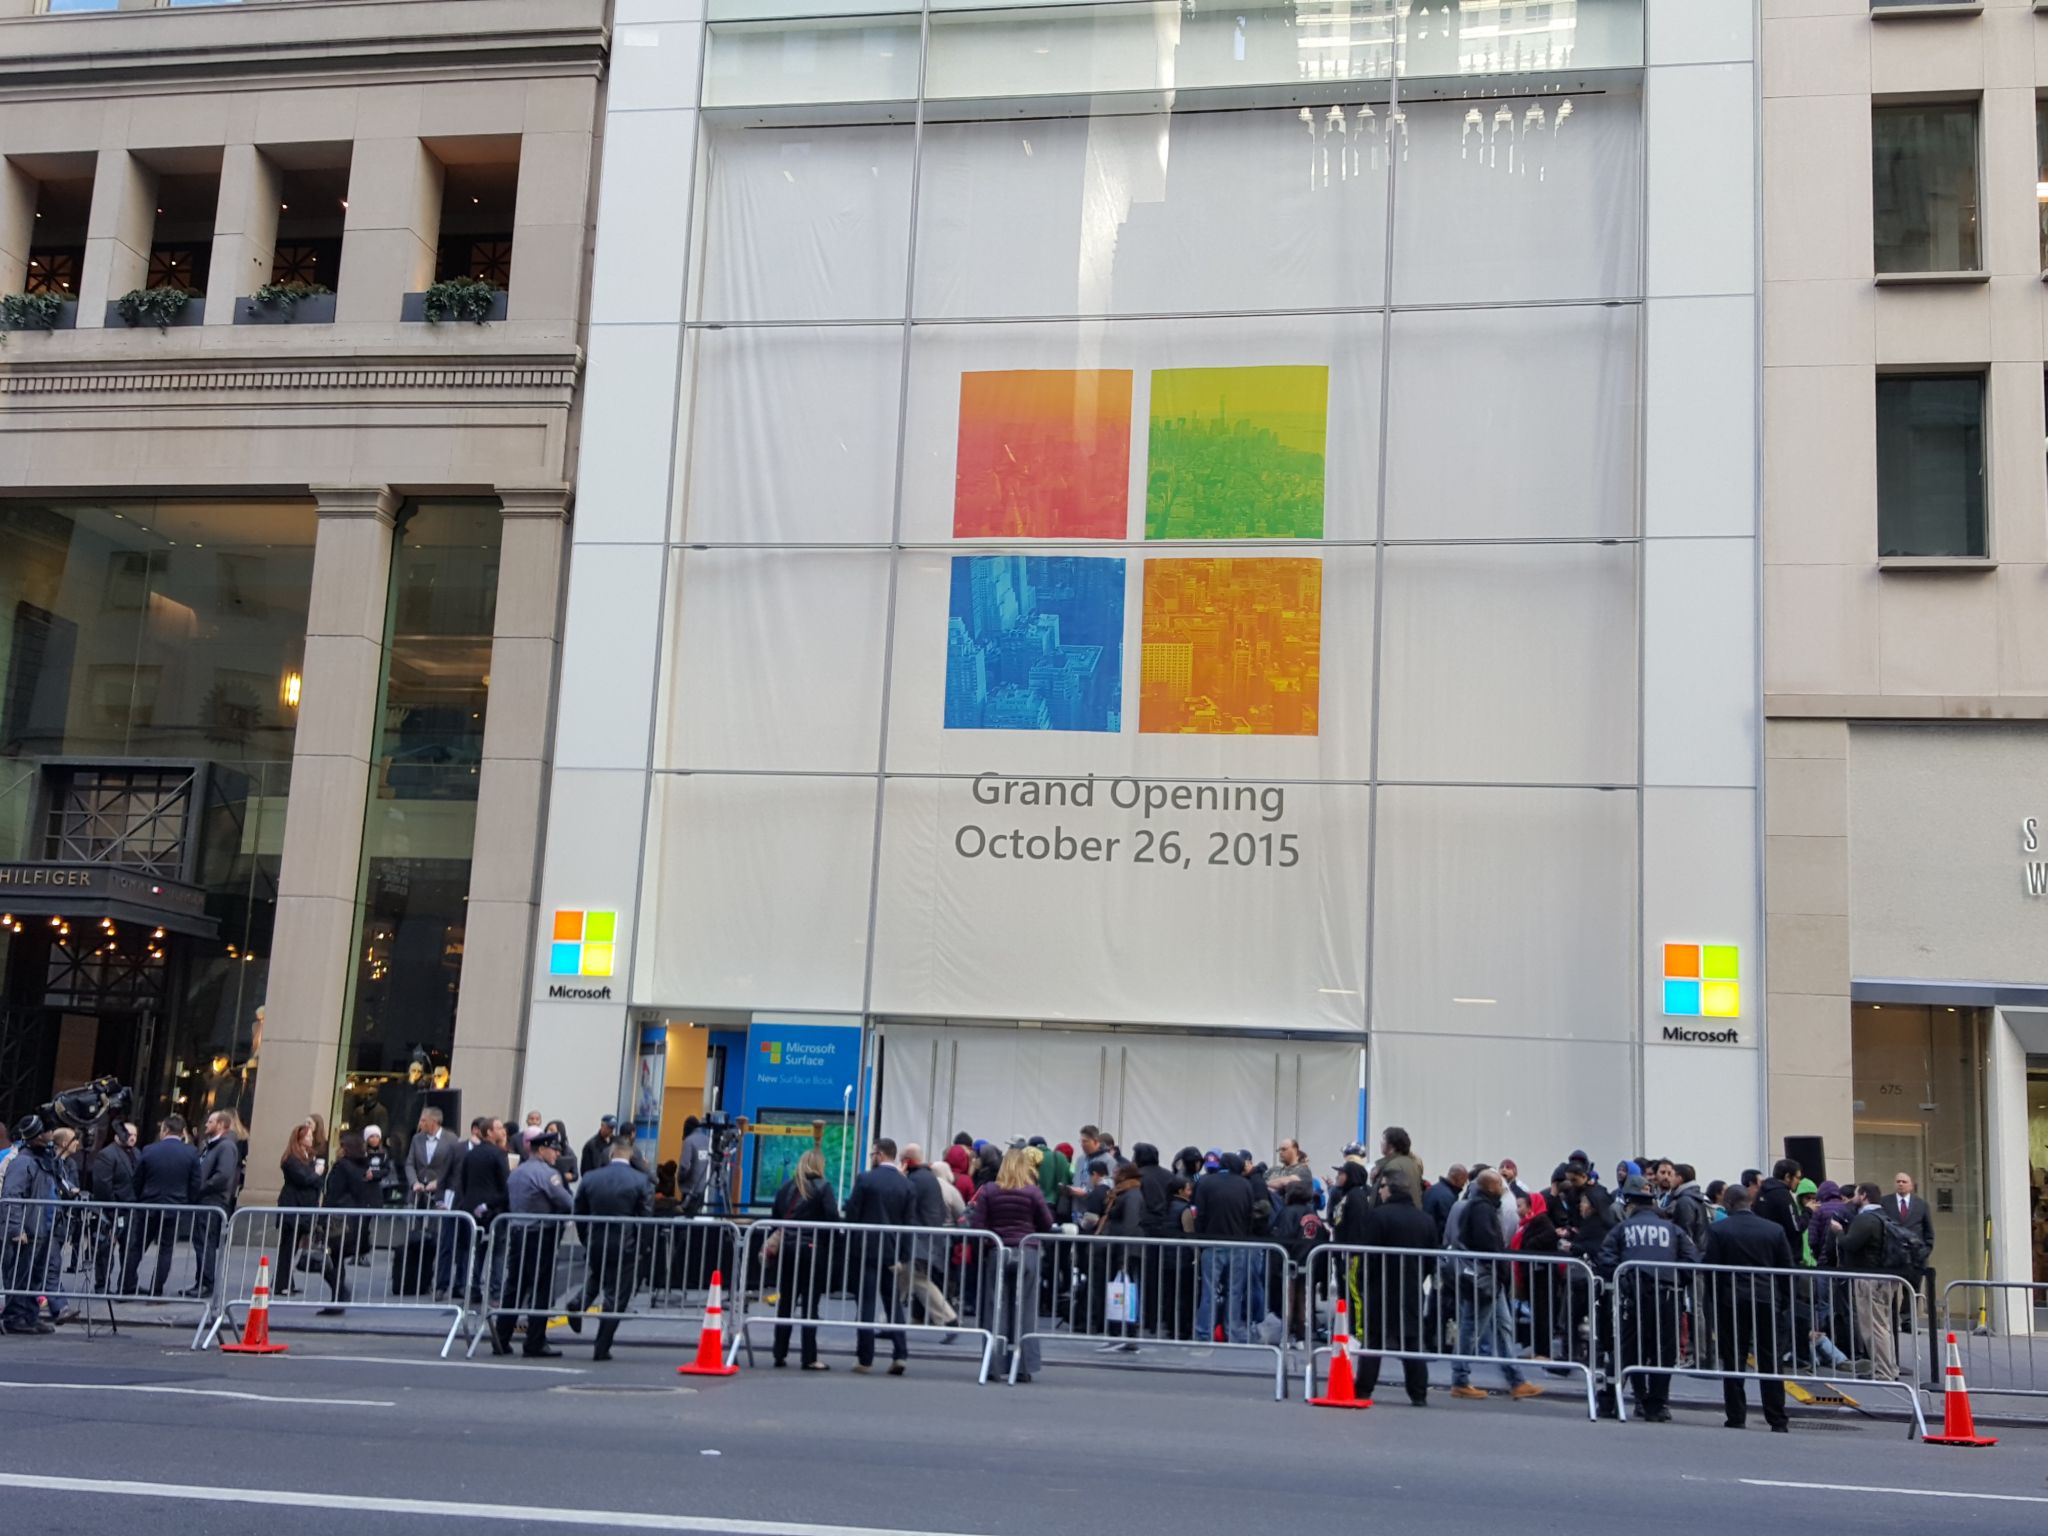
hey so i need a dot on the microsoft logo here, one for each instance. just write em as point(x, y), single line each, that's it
point(583, 943)
point(1227, 646)
point(1703, 981)
point(772, 1049)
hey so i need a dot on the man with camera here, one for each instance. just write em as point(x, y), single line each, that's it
point(26, 1228)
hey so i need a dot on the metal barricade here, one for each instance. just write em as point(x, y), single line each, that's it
point(1128, 1295)
point(92, 1254)
point(1770, 1326)
point(359, 1260)
point(602, 1269)
point(2002, 1333)
point(893, 1282)
point(1469, 1310)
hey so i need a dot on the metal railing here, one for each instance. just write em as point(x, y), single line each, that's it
point(894, 1282)
point(1738, 1325)
point(2003, 1341)
point(1470, 1310)
point(93, 1254)
point(360, 1260)
point(1130, 1295)
point(602, 1269)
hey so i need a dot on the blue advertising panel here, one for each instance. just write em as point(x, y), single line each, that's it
point(796, 1074)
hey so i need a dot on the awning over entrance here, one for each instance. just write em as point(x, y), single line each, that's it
point(92, 891)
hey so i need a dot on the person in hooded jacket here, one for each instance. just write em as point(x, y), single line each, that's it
point(1485, 1325)
point(1584, 1240)
point(1537, 1283)
point(1391, 1318)
point(959, 1168)
point(1776, 1202)
point(1300, 1229)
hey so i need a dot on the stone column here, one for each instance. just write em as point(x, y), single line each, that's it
point(17, 225)
point(314, 945)
point(504, 878)
point(388, 240)
point(244, 229)
point(117, 234)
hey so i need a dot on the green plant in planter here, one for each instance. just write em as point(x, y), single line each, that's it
point(287, 295)
point(154, 306)
point(30, 311)
point(460, 298)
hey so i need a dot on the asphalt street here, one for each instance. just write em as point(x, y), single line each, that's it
point(345, 1431)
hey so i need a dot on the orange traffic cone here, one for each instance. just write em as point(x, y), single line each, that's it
point(710, 1359)
point(255, 1338)
point(1343, 1391)
point(1957, 1425)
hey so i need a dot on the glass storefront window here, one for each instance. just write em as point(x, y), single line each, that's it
point(1924, 170)
point(1920, 1110)
point(153, 642)
point(420, 830)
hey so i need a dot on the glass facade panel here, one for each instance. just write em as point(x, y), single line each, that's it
point(152, 641)
point(1930, 466)
point(1924, 186)
point(1919, 1076)
point(420, 828)
point(1101, 517)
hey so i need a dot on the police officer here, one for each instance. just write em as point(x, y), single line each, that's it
point(535, 1189)
point(1650, 1298)
point(620, 1188)
point(30, 1187)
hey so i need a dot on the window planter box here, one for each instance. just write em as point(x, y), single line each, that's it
point(67, 320)
point(194, 313)
point(314, 309)
point(414, 308)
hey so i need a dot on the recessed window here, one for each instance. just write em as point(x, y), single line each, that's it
point(1930, 466)
point(1924, 186)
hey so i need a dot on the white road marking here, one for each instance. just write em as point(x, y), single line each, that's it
point(246, 1397)
point(634, 1520)
point(1903, 1493)
point(469, 1365)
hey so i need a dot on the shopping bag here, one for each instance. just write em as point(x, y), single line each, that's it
point(1121, 1303)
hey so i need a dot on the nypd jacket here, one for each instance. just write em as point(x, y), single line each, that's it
point(1646, 1234)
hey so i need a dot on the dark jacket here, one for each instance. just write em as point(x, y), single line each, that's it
point(482, 1182)
point(167, 1173)
point(1919, 1218)
point(113, 1174)
point(302, 1186)
point(1438, 1202)
point(220, 1169)
point(1393, 1285)
point(1155, 1184)
point(1012, 1214)
point(792, 1204)
point(1687, 1208)
point(1480, 1231)
point(1126, 1214)
point(883, 1197)
point(1352, 1201)
point(1224, 1205)
point(1775, 1202)
point(1745, 1240)
point(351, 1186)
point(1646, 1234)
point(1862, 1245)
point(614, 1188)
point(928, 1200)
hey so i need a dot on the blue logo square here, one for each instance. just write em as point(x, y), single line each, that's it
point(1682, 997)
point(567, 960)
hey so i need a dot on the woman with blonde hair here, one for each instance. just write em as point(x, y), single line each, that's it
point(1014, 1208)
point(800, 1255)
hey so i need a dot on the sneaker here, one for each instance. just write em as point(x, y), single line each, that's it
point(1657, 1415)
point(897, 1367)
point(1525, 1389)
point(1474, 1393)
point(1023, 1378)
point(862, 1370)
point(38, 1326)
point(1419, 1402)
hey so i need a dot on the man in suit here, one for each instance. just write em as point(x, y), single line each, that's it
point(482, 1187)
point(430, 1159)
point(220, 1171)
point(619, 1188)
point(1905, 1206)
point(1752, 1314)
point(881, 1197)
point(167, 1173)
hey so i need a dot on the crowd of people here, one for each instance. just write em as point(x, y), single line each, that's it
point(1479, 1263)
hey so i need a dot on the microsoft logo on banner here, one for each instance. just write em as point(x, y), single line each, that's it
point(1227, 646)
point(582, 943)
point(772, 1049)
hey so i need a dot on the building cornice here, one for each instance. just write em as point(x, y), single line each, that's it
point(525, 375)
point(1906, 706)
point(243, 44)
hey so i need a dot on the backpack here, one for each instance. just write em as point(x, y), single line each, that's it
point(1903, 1254)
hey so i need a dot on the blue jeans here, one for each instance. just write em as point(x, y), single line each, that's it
point(1226, 1295)
point(1485, 1327)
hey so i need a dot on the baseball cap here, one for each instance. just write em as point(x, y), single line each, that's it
point(610, 1120)
point(1213, 1158)
point(1355, 1149)
point(1636, 1187)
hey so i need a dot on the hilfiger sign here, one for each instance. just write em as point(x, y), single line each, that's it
point(583, 947)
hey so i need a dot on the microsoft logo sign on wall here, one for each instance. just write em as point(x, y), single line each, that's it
point(1226, 646)
point(583, 945)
